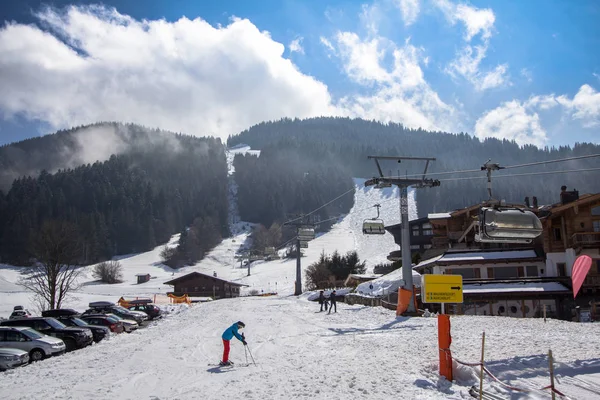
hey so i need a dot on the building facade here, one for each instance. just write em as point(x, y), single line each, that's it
point(196, 284)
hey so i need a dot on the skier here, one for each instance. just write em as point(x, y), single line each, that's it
point(322, 301)
point(227, 336)
point(332, 302)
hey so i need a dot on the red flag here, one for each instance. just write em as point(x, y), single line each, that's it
point(580, 269)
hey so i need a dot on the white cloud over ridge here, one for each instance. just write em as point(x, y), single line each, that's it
point(410, 10)
point(183, 76)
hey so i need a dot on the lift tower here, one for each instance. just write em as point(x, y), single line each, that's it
point(403, 185)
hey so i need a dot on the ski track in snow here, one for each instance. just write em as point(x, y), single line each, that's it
point(359, 352)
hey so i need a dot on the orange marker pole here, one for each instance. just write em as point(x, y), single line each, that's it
point(444, 341)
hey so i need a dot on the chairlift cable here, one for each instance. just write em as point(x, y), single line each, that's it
point(524, 174)
point(507, 167)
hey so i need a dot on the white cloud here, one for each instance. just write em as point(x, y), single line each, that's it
point(183, 76)
point(526, 73)
point(476, 20)
point(296, 45)
point(468, 60)
point(511, 121)
point(596, 75)
point(585, 106)
point(410, 10)
point(401, 92)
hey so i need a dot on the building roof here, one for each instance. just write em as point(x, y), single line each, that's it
point(487, 255)
point(142, 274)
point(198, 274)
point(583, 199)
point(439, 215)
point(514, 287)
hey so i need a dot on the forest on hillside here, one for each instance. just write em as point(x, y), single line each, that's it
point(158, 184)
point(347, 143)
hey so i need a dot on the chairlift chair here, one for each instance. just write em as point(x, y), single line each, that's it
point(507, 225)
point(374, 226)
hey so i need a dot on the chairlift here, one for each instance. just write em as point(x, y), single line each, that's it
point(374, 226)
point(507, 225)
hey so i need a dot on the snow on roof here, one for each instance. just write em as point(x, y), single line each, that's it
point(428, 261)
point(365, 276)
point(438, 215)
point(515, 287)
point(386, 284)
point(491, 255)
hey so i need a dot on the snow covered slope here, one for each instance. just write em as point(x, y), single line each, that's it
point(277, 275)
point(356, 353)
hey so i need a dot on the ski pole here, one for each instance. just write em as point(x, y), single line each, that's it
point(246, 353)
point(251, 355)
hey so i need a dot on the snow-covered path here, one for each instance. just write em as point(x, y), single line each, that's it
point(360, 352)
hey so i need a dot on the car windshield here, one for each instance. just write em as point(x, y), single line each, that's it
point(115, 317)
point(112, 319)
point(79, 322)
point(121, 309)
point(55, 323)
point(31, 334)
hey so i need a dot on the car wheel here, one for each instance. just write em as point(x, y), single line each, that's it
point(36, 355)
point(69, 344)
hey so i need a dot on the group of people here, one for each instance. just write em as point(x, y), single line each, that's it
point(328, 302)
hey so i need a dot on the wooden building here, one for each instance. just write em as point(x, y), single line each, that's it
point(142, 278)
point(196, 284)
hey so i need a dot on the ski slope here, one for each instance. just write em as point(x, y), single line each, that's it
point(300, 353)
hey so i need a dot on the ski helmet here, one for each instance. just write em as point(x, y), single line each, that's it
point(240, 323)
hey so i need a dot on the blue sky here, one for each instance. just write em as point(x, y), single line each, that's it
point(523, 70)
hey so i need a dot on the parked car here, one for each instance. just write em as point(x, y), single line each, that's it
point(60, 312)
point(129, 324)
point(147, 307)
point(108, 307)
point(38, 345)
point(111, 323)
point(12, 358)
point(98, 332)
point(19, 312)
point(74, 338)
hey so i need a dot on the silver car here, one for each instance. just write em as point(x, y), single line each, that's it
point(38, 345)
point(11, 358)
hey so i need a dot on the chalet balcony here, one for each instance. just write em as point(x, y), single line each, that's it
point(586, 239)
point(592, 281)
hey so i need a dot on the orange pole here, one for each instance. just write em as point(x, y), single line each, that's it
point(444, 341)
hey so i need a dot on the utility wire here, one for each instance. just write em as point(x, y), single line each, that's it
point(507, 167)
point(525, 174)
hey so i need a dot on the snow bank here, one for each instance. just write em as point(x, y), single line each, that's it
point(386, 284)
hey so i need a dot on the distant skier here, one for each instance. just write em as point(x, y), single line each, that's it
point(322, 301)
point(227, 336)
point(332, 302)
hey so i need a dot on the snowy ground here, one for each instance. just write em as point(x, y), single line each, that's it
point(359, 352)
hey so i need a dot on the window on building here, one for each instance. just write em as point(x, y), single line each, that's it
point(532, 270)
point(184, 290)
point(490, 272)
point(561, 269)
point(596, 225)
point(415, 231)
point(427, 246)
point(507, 272)
point(415, 247)
point(467, 273)
point(596, 211)
point(427, 229)
point(598, 266)
point(557, 234)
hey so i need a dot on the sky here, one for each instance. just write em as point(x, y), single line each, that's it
point(524, 71)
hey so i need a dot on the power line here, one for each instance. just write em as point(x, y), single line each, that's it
point(509, 166)
point(525, 174)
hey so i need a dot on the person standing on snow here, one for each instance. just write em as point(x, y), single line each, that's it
point(227, 336)
point(322, 301)
point(332, 302)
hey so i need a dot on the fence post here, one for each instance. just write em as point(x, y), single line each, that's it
point(481, 372)
point(544, 313)
point(551, 374)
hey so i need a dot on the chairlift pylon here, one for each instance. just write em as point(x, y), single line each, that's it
point(374, 226)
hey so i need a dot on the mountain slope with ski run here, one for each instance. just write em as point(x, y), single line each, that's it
point(358, 352)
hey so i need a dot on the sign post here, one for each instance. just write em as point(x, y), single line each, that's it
point(443, 289)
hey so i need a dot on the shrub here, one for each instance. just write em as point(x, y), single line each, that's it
point(109, 272)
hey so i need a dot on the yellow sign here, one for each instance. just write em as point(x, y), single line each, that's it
point(442, 289)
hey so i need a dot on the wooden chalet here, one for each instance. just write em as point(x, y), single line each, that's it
point(196, 284)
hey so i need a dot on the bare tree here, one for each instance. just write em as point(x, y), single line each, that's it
point(55, 273)
point(109, 272)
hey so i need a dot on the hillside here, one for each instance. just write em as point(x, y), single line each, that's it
point(347, 142)
point(134, 189)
